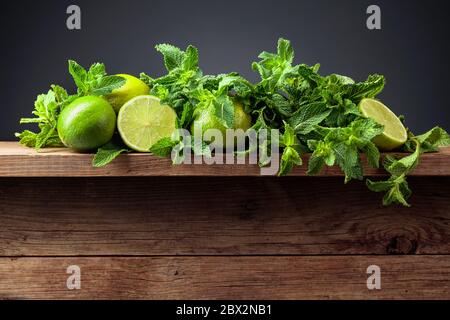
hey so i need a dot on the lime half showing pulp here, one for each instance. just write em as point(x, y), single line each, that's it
point(143, 121)
point(394, 134)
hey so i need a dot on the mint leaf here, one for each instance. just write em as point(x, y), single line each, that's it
point(30, 139)
point(27, 138)
point(347, 157)
point(279, 103)
point(163, 147)
point(190, 58)
point(186, 115)
point(367, 89)
point(107, 84)
point(430, 141)
point(107, 153)
point(323, 155)
point(61, 95)
point(224, 110)
point(343, 80)
point(397, 191)
point(96, 71)
point(47, 131)
point(364, 130)
point(289, 158)
point(315, 164)
point(146, 79)
point(380, 186)
point(373, 154)
point(79, 75)
point(308, 116)
point(288, 136)
point(285, 50)
point(173, 56)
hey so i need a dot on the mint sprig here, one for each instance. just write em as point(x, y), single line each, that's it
point(110, 151)
point(48, 106)
point(93, 81)
point(396, 188)
point(46, 110)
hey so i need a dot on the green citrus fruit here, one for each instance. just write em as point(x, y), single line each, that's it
point(206, 119)
point(241, 119)
point(394, 134)
point(143, 121)
point(133, 87)
point(87, 123)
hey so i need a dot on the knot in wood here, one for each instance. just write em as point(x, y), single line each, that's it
point(401, 245)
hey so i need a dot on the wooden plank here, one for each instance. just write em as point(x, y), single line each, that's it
point(402, 277)
point(225, 216)
point(18, 161)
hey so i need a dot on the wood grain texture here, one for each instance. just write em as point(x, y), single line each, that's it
point(218, 216)
point(402, 277)
point(143, 229)
point(18, 161)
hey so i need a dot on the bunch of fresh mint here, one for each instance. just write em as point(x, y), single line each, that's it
point(187, 90)
point(316, 114)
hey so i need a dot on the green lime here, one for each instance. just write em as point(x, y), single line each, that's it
point(394, 134)
point(87, 123)
point(206, 119)
point(143, 121)
point(241, 119)
point(133, 87)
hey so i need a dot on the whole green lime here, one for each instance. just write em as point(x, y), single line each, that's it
point(132, 87)
point(206, 119)
point(87, 123)
point(241, 119)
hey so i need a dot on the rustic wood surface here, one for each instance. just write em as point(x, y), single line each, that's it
point(19, 161)
point(326, 277)
point(195, 237)
point(209, 216)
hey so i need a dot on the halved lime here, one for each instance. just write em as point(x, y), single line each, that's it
point(143, 121)
point(394, 134)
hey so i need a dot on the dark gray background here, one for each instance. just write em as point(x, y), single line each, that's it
point(411, 50)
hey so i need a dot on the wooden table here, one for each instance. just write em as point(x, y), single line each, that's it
point(141, 228)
